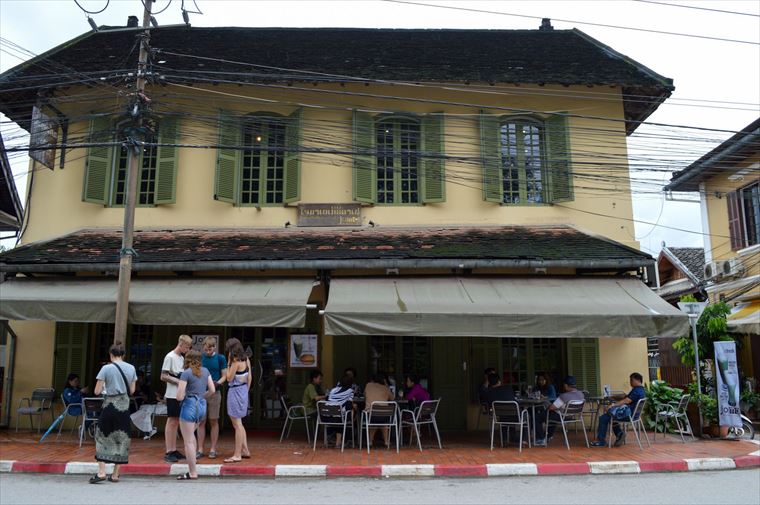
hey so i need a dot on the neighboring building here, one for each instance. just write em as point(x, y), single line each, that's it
point(11, 212)
point(728, 181)
point(423, 201)
point(679, 273)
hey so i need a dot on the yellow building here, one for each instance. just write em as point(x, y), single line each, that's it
point(423, 201)
point(728, 181)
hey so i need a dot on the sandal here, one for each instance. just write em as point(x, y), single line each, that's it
point(246, 456)
point(96, 479)
point(186, 476)
point(212, 455)
point(111, 479)
point(232, 460)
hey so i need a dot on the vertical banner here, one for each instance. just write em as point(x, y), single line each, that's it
point(727, 384)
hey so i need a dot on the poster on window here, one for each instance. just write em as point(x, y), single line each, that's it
point(303, 351)
point(198, 342)
point(727, 384)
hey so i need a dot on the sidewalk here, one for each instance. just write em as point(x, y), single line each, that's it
point(464, 454)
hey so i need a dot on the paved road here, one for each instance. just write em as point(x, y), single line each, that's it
point(731, 487)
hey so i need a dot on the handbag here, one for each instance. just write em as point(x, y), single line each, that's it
point(620, 413)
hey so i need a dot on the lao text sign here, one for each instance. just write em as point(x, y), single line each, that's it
point(329, 214)
point(727, 384)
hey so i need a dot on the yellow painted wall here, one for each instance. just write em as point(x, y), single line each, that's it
point(34, 364)
point(619, 358)
point(326, 178)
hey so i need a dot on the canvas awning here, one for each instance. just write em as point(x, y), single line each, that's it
point(745, 318)
point(224, 302)
point(500, 307)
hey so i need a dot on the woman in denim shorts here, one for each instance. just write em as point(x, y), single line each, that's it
point(195, 385)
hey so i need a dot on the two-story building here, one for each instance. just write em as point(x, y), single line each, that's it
point(422, 201)
point(728, 181)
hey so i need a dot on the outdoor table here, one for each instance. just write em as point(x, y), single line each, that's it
point(533, 403)
point(600, 402)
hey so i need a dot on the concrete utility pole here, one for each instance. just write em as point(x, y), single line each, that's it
point(126, 253)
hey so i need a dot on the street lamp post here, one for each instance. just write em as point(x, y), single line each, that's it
point(694, 310)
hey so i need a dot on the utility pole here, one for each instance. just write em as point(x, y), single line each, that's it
point(127, 252)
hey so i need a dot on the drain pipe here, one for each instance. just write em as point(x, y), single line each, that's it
point(9, 376)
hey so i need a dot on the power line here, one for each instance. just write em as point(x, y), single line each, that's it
point(697, 8)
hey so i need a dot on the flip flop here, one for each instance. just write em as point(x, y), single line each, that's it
point(96, 479)
point(186, 476)
point(232, 460)
point(111, 479)
point(212, 455)
point(246, 456)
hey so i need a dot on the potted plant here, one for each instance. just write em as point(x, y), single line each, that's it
point(659, 395)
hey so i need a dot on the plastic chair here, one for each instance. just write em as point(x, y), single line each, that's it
point(571, 413)
point(40, 402)
point(425, 414)
point(67, 411)
point(333, 414)
point(509, 414)
point(677, 412)
point(635, 422)
point(380, 415)
point(91, 408)
point(294, 412)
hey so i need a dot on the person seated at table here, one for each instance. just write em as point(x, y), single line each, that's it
point(484, 385)
point(498, 392)
point(143, 394)
point(342, 394)
point(415, 393)
point(377, 391)
point(627, 404)
point(351, 372)
point(570, 393)
point(313, 393)
point(72, 394)
point(545, 387)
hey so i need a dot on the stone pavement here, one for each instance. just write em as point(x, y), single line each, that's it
point(464, 454)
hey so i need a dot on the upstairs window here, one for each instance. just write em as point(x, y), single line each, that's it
point(398, 160)
point(258, 162)
point(526, 160)
point(744, 216)
point(105, 180)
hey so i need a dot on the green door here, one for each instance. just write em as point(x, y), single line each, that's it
point(450, 381)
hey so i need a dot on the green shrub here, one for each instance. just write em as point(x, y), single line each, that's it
point(659, 395)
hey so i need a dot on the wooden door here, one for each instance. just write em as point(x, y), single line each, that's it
point(450, 379)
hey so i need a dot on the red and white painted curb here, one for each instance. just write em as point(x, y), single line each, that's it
point(487, 470)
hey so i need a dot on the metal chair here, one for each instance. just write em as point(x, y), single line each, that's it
point(333, 414)
point(424, 414)
point(380, 415)
point(571, 413)
point(91, 408)
point(67, 410)
point(676, 412)
point(591, 409)
point(294, 412)
point(509, 414)
point(40, 402)
point(636, 423)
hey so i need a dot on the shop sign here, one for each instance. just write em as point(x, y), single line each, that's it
point(329, 214)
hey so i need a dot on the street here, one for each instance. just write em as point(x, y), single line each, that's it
point(730, 487)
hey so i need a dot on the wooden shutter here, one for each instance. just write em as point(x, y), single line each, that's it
point(70, 353)
point(558, 159)
point(98, 167)
point(583, 363)
point(364, 172)
point(293, 140)
point(433, 182)
point(166, 164)
point(735, 228)
point(490, 154)
point(227, 159)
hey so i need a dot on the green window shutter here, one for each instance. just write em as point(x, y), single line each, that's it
point(166, 168)
point(583, 363)
point(364, 173)
point(558, 159)
point(293, 140)
point(227, 160)
point(70, 352)
point(97, 171)
point(490, 153)
point(433, 181)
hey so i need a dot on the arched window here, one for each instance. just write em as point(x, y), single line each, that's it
point(522, 161)
point(398, 145)
point(147, 170)
point(263, 161)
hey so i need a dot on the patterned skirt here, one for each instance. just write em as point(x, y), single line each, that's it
point(112, 430)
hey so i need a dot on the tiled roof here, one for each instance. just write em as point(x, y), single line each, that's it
point(292, 248)
point(540, 57)
point(693, 258)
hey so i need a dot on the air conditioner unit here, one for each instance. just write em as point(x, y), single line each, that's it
point(731, 268)
point(712, 270)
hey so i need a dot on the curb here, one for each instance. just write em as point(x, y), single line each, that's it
point(324, 471)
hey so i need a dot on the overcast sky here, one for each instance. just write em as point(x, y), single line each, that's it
point(717, 82)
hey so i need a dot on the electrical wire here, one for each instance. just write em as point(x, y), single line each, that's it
point(697, 8)
point(93, 12)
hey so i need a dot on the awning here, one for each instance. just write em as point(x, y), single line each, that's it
point(223, 302)
point(745, 318)
point(500, 307)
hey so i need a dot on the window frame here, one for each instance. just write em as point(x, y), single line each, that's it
point(265, 119)
point(521, 122)
point(397, 120)
point(115, 169)
point(746, 202)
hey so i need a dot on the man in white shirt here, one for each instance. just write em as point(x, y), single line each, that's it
point(570, 393)
point(170, 371)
